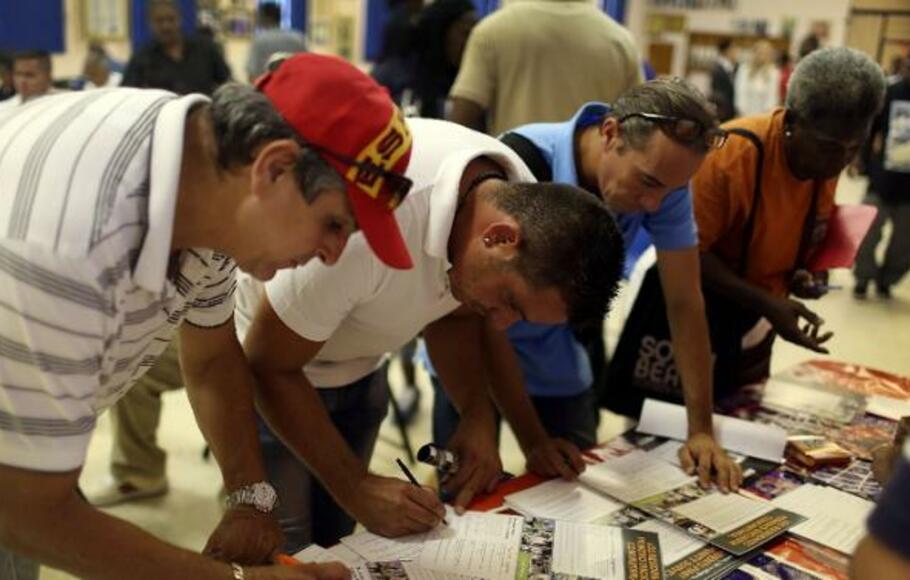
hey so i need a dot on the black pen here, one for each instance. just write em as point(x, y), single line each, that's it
point(413, 480)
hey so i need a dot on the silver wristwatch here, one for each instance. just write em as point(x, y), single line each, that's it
point(260, 495)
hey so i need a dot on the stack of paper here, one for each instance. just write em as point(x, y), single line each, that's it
point(729, 521)
point(834, 518)
point(503, 547)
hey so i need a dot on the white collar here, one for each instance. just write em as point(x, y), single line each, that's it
point(164, 178)
point(445, 193)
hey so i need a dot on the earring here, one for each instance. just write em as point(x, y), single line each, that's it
point(788, 133)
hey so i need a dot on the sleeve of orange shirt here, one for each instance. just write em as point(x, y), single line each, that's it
point(711, 202)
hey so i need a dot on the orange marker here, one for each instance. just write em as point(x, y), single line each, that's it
point(286, 560)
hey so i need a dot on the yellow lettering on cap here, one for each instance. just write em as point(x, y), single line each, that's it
point(384, 151)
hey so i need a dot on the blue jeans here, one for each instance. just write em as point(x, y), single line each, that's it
point(16, 567)
point(572, 418)
point(306, 511)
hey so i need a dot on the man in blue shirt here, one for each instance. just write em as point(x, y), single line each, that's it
point(637, 156)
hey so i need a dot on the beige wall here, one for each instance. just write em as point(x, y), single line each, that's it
point(804, 13)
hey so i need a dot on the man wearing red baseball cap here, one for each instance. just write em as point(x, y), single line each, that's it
point(125, 215)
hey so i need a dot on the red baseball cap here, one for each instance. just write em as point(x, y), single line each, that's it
point(352, 122)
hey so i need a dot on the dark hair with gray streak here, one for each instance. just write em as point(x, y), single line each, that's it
point(670, 96)
point(245, 120)
point(569, 241)
point(839, 86)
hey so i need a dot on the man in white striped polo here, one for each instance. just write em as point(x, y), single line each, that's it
point(122, 214)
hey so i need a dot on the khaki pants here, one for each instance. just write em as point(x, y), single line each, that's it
point(136, 457)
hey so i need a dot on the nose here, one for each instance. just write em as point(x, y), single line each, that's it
point(332, 248)
point(650, 202)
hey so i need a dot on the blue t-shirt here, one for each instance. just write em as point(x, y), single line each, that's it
point(554, 363)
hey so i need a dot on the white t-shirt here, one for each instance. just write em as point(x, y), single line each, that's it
point(361, 308)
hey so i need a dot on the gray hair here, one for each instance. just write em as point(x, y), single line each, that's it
point(245, 120)
point(669, 96)
point(836, 85)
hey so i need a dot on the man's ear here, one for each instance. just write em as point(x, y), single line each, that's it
point(273, 161)
point(502, 235)
point(610, 133)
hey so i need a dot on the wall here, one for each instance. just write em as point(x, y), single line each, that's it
point(804, 13)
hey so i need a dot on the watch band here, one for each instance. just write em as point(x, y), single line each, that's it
point(237, 571)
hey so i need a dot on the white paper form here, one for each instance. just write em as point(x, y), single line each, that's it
point(476, 544)
point(345, 555)
point(887, 407)
point(752, 439)
point(416, 572)
point(674, 543)
point(315, 554)
point(337, 553)
point(588, 550)
point(376, 548)
point(558, 499)
point(835, 518)
point(723, 512)
point(634, 476)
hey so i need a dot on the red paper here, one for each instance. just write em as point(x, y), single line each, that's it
point(846, 229)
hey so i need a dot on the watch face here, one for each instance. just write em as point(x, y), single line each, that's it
point(260, 495)
point(264, 496)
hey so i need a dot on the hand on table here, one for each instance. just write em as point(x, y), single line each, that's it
point(555, 457)
point(702, 455)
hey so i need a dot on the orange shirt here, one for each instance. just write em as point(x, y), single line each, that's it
point(722, 193)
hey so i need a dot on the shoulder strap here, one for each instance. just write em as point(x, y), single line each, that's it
point(530, 154)
point(805, 241)
point(749, 228)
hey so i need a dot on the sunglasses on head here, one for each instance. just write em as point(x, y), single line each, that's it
point(395, 185)
point(685, 130)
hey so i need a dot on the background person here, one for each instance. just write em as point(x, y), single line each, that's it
point(758, 82)
point(270, 38)
point(496, 90)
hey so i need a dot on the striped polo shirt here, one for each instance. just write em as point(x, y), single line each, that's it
point(90, 292)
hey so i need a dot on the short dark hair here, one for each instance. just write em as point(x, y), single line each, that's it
point(569, 240)
point(42, 56)
point(270, 12)
point(670, 96)
point(245, 120)
point(724, 44)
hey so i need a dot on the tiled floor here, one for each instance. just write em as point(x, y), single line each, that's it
point(874, 333)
